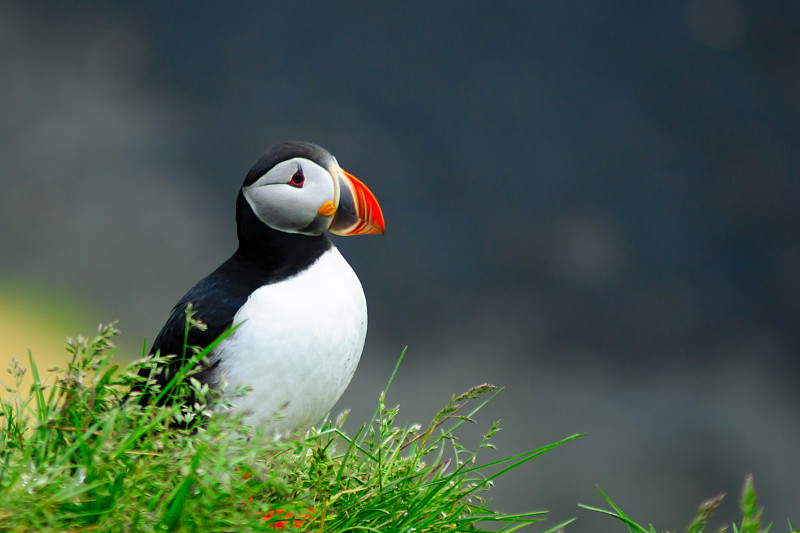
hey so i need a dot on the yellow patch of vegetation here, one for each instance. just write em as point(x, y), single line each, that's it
point(37, 320)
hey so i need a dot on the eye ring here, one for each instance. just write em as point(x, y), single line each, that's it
point(298, 179)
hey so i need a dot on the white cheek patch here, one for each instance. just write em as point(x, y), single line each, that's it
point(284, 207)
point(278, 207)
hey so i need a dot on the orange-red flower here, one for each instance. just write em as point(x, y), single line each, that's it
point(285, 518)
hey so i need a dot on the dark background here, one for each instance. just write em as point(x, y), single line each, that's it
point(592, 204)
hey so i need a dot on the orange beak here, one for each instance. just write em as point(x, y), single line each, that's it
point(358, 212)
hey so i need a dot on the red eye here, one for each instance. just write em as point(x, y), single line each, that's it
point(297, 179)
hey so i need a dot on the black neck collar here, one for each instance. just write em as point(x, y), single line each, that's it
point(272, 253)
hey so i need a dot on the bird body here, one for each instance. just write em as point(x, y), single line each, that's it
point(297, 345)
point(298, 308)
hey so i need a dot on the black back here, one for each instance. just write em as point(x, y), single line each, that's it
point(217, 297)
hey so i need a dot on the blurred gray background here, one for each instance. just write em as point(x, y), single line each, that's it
point(592, 204)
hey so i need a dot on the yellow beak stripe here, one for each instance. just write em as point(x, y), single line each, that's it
point(327, 209)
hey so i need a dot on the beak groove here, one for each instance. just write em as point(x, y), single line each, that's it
point(358, 212)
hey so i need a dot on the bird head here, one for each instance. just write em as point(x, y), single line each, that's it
point(299, 187)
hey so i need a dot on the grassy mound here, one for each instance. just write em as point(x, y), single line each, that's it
point(77, 454)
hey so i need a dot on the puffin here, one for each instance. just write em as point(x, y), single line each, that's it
point(297, 307)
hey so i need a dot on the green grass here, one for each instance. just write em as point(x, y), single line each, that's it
point(748, 506)
point(77, 454)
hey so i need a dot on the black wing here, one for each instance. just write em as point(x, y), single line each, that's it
point(215, 301)
point(218, 297)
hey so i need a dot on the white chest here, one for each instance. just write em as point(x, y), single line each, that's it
point(297, 345)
